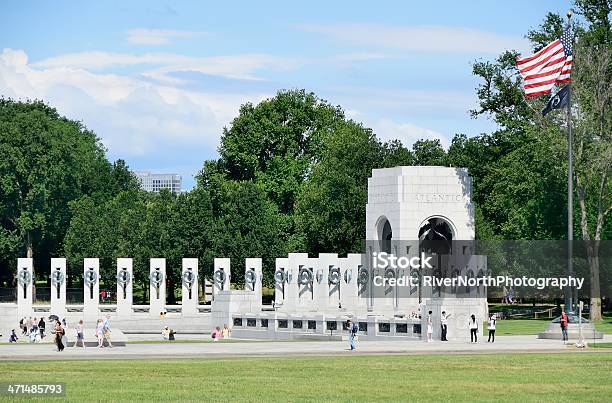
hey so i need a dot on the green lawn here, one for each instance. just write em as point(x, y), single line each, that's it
point(605, 325)
point(518, 326)
point(599, 344)
point(499, 377)
point(535, 326)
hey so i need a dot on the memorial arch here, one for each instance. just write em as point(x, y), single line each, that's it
point(385, 234)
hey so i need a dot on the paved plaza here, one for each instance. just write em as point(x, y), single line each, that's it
point(249, 348)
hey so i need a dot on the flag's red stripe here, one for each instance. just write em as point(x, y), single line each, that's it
point(541, 84)
point(538, 53)
point(535, 94)
point(548, 73)
point(546, 60)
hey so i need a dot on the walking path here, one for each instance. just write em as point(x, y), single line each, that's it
point(207, 349)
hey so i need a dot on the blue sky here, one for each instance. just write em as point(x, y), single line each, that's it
point(157, 81)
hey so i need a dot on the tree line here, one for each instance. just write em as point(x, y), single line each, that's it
point(292, 172)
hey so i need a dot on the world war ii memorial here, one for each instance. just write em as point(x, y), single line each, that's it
point(182, 221)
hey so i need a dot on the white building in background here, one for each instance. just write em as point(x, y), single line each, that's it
point(155, 182)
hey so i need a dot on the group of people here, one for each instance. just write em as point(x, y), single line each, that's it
point(472, 325)
point(30, 327)
point(168, 334)
point(218, 333)
point(508, 296)
point(102, 332)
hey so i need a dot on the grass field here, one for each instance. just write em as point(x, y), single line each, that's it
point(500, 377)
point(535, 326)
point(518, 326)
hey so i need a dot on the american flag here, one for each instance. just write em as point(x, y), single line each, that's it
point(547, 67)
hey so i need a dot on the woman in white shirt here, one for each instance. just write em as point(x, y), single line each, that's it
point(492, 320)
point(473, 329)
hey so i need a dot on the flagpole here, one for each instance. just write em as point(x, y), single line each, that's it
point(570, 194)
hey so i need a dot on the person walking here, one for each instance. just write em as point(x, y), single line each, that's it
point(34, 334)
point(492, 322)
point(59, 334)
point(99, 335)
point(106, 331)
point(564, 322)
point(41, 327)
point(429, 327)
point(353, 328)
point(64, 337)
point(80, 335)
point(444, 325)
point(473, 329)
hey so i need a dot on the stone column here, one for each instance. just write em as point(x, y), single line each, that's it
point(58, 287)
point(91, 288)
point(254, 265)
point(221, 275)
point(157, 286)
point(292, 287)
point(280, 284)
point(327, 291)
point(305, 271)
point(349, 297)
point(189, 293)
point(25, 279)
point(125, 280)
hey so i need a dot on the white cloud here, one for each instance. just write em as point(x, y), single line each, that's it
point(132, 116)
point(242, 66)
point(420, 38)
point(408, 133)
point(144, 36)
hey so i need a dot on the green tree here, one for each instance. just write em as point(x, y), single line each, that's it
point(429, 152)
point(330, 211)
point(47, 161)
point(276, 142)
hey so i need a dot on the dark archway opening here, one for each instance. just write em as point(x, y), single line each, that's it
point(436, 236)
point(386, 235)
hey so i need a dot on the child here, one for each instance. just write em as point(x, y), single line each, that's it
point(13, 337)
point(225, 333)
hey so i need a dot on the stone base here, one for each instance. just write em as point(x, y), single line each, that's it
point(553, 331)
